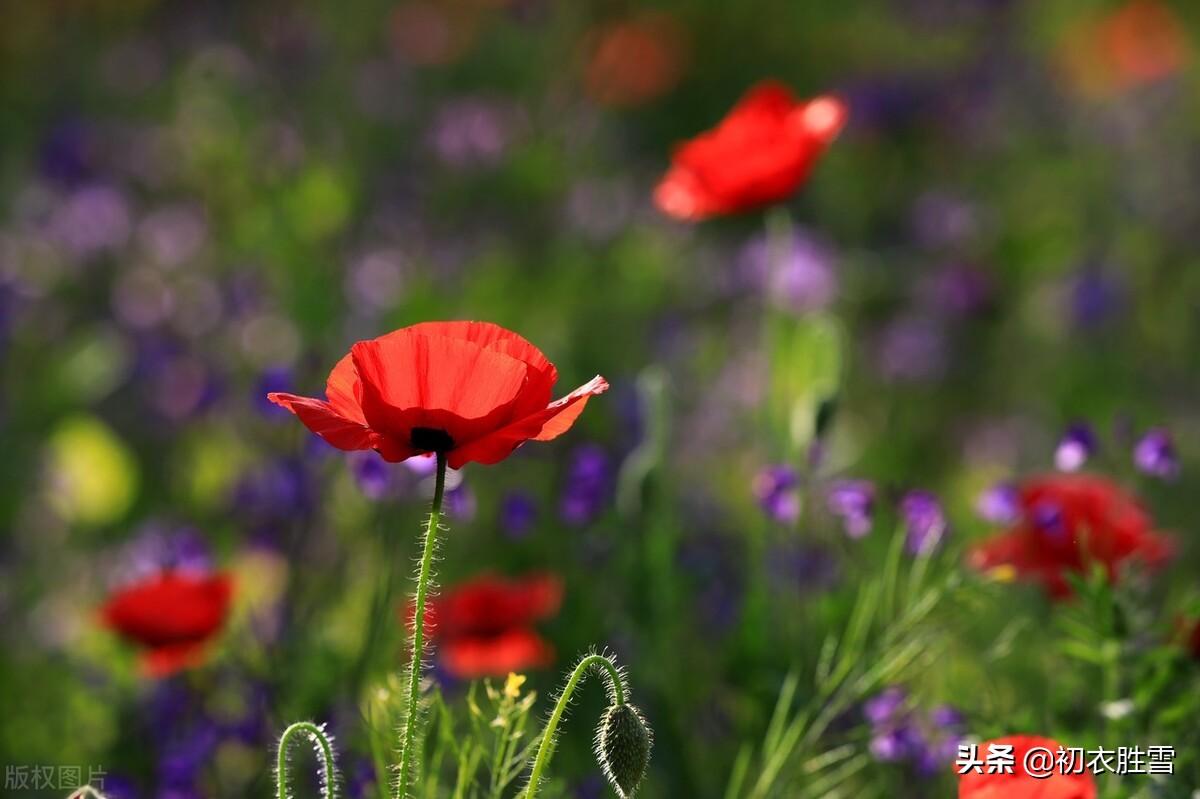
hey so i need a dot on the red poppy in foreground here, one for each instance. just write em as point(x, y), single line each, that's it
point(1020, 784)
point(484, 627)
point(1067, 523)
point(172, 616)
point(470, 390)
point(759, 154)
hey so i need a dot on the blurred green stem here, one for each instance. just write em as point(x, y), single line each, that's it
point(546, 747)
point(408, 764)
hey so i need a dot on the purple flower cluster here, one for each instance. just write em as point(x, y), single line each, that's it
point(852, 501)
point(185, 733)
point(927, 742)
point(1154, 453)
point(777, 490)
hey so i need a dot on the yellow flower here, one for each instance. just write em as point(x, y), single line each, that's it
point(512, 685)
point(1005, 573)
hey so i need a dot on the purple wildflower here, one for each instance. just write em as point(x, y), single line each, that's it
point(924, 520)
point(162, 546)
point(373, 475)
point(1154, 454)
point(518, 514)
point(588, 485)
point(852, 501)
point(885, 708)
point(941, 220)
point(474, 132)
point(911, 349)
point(1077, 445)
point(961, 290)
point(894, 744)
point(91, 219)
point(1095, 298)
point(460, 501)
point(801, 278)
point(775, 487)
point(272, 379)
point(999, 504)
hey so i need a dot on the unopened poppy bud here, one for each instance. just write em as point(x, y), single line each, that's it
point(623, 743)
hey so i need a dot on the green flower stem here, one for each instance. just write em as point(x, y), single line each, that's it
point(546, 747)
point(408, 763)
point(324, 748)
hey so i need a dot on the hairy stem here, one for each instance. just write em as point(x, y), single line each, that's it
point(546, 747)
point(412, 717)
point(324, 748)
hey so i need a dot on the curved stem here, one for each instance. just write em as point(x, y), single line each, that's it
point(546, 747)
point(324, 749)
point(412, 716)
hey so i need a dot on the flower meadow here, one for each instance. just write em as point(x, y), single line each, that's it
point(504, 399)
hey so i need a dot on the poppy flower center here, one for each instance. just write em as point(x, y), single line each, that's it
point(430, 439)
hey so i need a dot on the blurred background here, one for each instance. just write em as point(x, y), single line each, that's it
point(201, 202)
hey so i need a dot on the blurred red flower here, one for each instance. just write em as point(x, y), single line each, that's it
point(1067, 523)
point(759, 154)
point(471, 390)
point(1139, 43)
point(172, 615)
point(485, 626)
point(1020, 784)
point(635, 60)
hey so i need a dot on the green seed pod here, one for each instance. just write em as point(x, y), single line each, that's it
point(623, 742)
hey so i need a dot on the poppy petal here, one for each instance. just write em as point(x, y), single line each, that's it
point(551, 422)
point(541, 376)
point(488, 605)
point(163, 661)
point(448, 384)
point(343, 390)
point(820, 119)
point(323, 418)
point(511, 651)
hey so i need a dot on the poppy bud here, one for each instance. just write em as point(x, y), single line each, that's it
point(623, 748)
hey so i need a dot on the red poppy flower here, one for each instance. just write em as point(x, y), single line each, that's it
point(635, 60)
point(485, 626)
point(1020, 784)
point(172, 616)
point(471, 390)
point(1138, 43)
point(759, 154)
point(1067, 523)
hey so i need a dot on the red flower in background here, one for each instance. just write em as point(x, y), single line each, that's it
point(1067, 523)
point(634, 60)
point(1020, 784)
point(759, 154)
point(485, 626)
point(1139, 43)
point(471, 390)
point(172, 616)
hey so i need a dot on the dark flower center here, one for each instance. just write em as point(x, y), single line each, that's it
point(430, 439)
